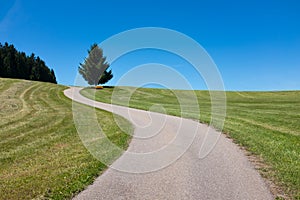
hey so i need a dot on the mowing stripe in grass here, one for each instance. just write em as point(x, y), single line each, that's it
point(41, 155)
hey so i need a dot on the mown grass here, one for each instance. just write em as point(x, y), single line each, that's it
point(41, 154)
point(267, 124)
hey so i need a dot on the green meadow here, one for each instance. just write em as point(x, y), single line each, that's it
point(266, 124)
point(41, 154)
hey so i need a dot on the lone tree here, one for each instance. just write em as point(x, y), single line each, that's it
point(94, 69)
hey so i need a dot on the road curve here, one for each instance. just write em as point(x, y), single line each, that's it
point(225, 173)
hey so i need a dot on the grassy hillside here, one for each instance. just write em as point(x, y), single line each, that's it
point(41, 155)
point(266, 123)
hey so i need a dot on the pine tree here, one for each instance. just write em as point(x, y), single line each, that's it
point(15, 64)
point(53, 77)
point(94, 68)
point(105, 77)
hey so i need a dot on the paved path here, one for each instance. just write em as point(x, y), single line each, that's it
point(224, 174)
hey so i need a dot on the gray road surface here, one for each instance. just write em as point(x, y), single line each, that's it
point(224, 174)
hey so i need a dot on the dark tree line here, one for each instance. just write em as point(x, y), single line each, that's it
point(16, 64)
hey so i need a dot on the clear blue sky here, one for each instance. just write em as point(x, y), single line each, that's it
point(255, 44)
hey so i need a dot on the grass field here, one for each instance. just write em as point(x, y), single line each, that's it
point(41, 154)
point(267, 124)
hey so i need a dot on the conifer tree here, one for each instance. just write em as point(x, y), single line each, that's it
point(15, 64)
point(94, 68)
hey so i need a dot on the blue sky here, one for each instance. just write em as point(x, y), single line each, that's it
point(255, 44)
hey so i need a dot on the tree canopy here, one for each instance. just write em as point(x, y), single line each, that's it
point(94, 69)
point(16, 64)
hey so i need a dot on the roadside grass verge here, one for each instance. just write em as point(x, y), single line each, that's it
point(267, 124)
point(41, 154)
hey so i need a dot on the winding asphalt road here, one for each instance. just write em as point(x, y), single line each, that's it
point(174, 169)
